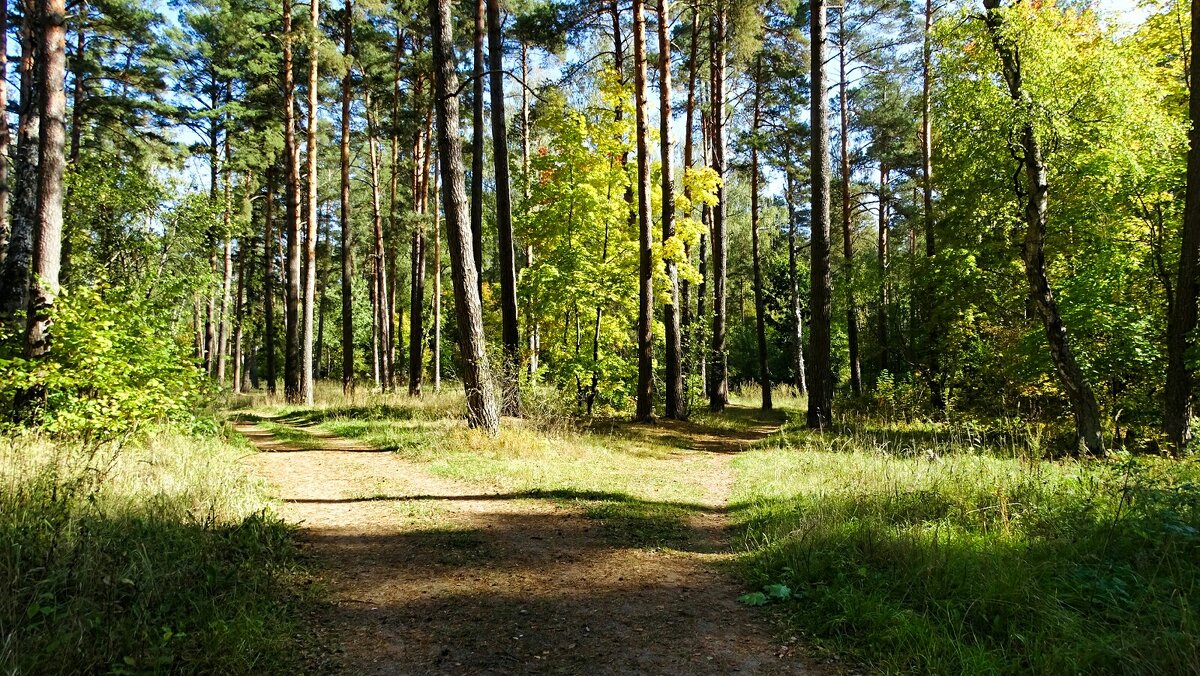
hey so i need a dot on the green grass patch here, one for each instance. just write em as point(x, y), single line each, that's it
point(156, 557)
point(958, 562)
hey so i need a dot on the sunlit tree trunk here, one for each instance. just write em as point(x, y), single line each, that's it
point(847, 207)
point(718, 387)
point(931, 316)
point(477, 141)
point(239, 316)
point(1079, 392)
point(801, 381)
point(531, 323)
point(510, 372)
point(347, 234)
point(416, 310)
point(47, 239)
point(760, 308)
point(307, 375)
point(269, 280)
point(645, 327)
point(223, 318)
point(671, 329)
point(381, 281)
point(884, 243)
point(292, 363)
point(437, 289)
point(820, 391)
point(482, 411)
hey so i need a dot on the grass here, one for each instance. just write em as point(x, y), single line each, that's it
point(928, 553)
point(155, 557)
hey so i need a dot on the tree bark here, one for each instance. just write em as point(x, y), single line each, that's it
point(292, 364)
point(718, 388)
point(381, 281)
point(223, 323)
point(760, 308)
point(14, 297)
point(437, 292)
point(1086, 410)
point(847, 205)
point(645, 327)
point(532, 327)
point(347, 234)
point(5, 140)
point(801, 381)
point(269, 279)
point(239, 316)
point(416, 310)
point(477, 143)
point(509, 328)
point(47, 241)
point(671, 328)
point(937, 398)
point(310, 238)
point(820, 392)
point(689, 122)
point(884, 243)
point(476, 376)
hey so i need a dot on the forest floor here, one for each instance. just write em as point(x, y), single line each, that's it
point(440, 551)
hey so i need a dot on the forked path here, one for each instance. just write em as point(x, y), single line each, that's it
point(430, 576)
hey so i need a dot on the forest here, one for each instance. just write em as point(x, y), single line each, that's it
point(604, 336)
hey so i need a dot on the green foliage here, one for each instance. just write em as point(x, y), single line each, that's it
point(946, 561)
point(150, 558)
point(115, 367)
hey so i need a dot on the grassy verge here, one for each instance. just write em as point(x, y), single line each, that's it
point(915, 554)
point(155, 557)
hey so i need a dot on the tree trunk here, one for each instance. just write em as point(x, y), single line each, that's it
point(5, 140)
point(239, 316)
point(292, 363)
point(14, 289)
point(381, 282)
point(310, 238)
point(1079, 392)
point(476, 376)
point(937, 398)
point(884, 244)
point(645, 327)
point(1177, 416)
point(718, 388)
point(47, 240)
point(269, 279)
point(437, 291)
point(801, 381)
point(477, 143)
point(416, 310)
point(509, 329)
point(347, 234)
point(760, 308)
point(223, 323)
point(532, 327)
point(689, 122)
point(847, 205)
point(671, 329)
point(820, 392)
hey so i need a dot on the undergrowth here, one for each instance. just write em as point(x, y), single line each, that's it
point(938, 554)
point(151, 556)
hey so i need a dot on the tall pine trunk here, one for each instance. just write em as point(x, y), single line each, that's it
point(510, 373)
point(1177, 415)
point(718, 388)
point(416, 310)
point(476, 375)
point(477, 141)
point(884, 243)
point(645, 326)
point(847, 206)
point(381, 282)
point(801, 381)
point(436, 357)
point(347, 235)
point(671, 329)
point(310, 233)
point(14, 285)
point(760, 308)
point(5, 139)
point(269, 280)
point(820, 390)
point(47, 240)
point(292, 364)
point(1089, 432)
point(937, 398)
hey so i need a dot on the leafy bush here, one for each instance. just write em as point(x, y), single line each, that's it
point(115, 365)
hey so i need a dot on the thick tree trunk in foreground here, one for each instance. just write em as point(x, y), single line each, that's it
point(476, 375)
point(718, 387)
point(269, 280)
point(509, 329)
point(291, 362)
point(14, 285)
point(1177, 415)
point(671, 328)
point(760, 308)
point(820, 391)
point(47, 241)
point(1079, 392)
point(645, 326)
point(347, 234)
point(847, 205)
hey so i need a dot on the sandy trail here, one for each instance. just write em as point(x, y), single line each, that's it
point(431, 576)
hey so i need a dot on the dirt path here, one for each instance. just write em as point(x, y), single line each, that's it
point(429, 576)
